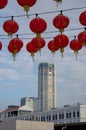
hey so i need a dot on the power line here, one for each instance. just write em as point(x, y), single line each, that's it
point(2, 36)
point(46, 37)
point(43, 13)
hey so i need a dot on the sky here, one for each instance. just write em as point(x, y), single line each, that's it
point(20, 78)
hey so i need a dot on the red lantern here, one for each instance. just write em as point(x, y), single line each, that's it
point(61, 41)
point(3, 3)
point(10, 26)
point(82, 18)
point(75, 45)
point(52, 47)
point(38, 25)
point(61, 22)
point(31, 49)
point(82, 37)
point(38, 42)
point(0, 45)
point(26, 4)
point(15, 46)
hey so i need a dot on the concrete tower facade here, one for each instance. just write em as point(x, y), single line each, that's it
point(47, 86)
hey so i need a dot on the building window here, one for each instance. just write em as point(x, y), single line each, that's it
point(69, 114)
point(49, 117)
point(56, 117)
point(53, 117)
point(59, 116)
point(78, 114)
point(74, 114)
point(8, 114)
point(62, 115)
point(36, 118)
point(66, 115)
point(42, 118)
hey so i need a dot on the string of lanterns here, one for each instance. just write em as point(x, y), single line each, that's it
point(38, 25)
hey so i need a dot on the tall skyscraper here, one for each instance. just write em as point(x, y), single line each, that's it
point(47, 86)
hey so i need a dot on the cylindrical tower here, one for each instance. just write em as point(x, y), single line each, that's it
point(47, 86)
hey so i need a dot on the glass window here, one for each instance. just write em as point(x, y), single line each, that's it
point(78, 114)
point(49, 117)
point(56, 116)
point(69, 114)
point(74, 114)
point(53, 117)
point(66, 115)
point(62, 115)
point(59, 116)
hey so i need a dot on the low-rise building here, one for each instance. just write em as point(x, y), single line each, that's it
point(63, 115)
point(14, 111)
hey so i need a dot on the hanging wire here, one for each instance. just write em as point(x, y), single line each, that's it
point(48, 12)
point(47, 32)
point(2, 36)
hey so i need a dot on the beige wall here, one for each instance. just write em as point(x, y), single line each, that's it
point(8, 125)
point(26, 125)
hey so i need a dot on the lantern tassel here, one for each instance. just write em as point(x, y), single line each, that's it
point(27, 14)
point(14, 54)
point(53, 53)
point(26, 8)
point(40, 52)
point(32, 55)
point(14, 57)
point(10, 34)
point(62, 51)
point(76, 52)
point(61, 30)
point(58, 1)
point(38, 35)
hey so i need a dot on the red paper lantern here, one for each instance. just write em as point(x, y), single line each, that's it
point(82, 18)
point(10, 27)
point(75, 45)
point(82, 37)
point(38, 42)
point(15, 46)
point(38, 25)
point(0, 45)
point(61, 22)
point(61, 41)
point(3, 3)
point(31, 49)
point(52, 47)
point(26, 4)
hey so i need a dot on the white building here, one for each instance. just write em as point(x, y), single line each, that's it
point(14, 111)
point(31, 102)
point(47, 86)
point(65, 115)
